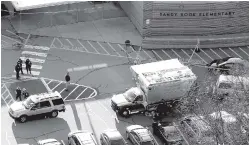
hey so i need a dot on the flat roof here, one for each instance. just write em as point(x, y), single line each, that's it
point(34, 4)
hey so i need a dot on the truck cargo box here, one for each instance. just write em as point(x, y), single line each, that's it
point(168, 79)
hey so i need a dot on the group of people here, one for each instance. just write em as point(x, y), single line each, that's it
point(18, 67)
point(21, 92)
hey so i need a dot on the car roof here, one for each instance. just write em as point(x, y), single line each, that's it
point(234, 79)
point(232, 60)
point(50, 141)
point(113, 135)
point(226, 117)
point(45, 96)
point(143, 134)
point(85, 138)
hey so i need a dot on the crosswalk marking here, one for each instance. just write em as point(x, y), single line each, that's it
point(36, 47)
point(81, 93)
point(185, 53)
point(206, 54)
point(82, 45)
point(33, 66)
point(176, 54)
point(11, 39)
point(235, 52)
point(92, 46)
point(166, 54)
point(157, 54)
point(34, 53)
point(33, 59)
point(103, 48)
point(215, 53)
point(14, 34)
point(244, 51)
point(113, 49)
point(224, 52)
point(35, 73)
point(147, 54)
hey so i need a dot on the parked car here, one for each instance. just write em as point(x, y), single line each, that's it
point(112, 137)
point(81, 137)
point(140, 135)
point(225, 65)
point(168, 133)
point(49, 142)
point(48, 104)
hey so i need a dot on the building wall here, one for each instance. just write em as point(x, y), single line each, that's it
point(134, 10)
point(195, 18)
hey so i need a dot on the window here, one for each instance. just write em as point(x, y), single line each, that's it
point(44, 104)
point(75, 140)
point(58, 101)
point(225, 86)
point(139, 98)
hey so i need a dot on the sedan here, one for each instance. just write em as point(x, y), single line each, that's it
point(168, 133)
point(112, 137)
point(140, 135)
point(81, 138)
point(224, 65)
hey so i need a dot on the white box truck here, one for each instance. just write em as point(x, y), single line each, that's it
point(156, 82)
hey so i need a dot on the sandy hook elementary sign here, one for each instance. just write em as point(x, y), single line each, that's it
point(195, 14)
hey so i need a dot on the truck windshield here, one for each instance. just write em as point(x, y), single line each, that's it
point(129, 95)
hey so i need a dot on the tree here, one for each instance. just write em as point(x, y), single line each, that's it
point(203, 100)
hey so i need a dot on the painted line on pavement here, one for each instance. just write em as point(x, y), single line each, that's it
point(147, 54)
point(103, 48)
point(57, 85)
point(244, 51)
point(49, 82)
point(92, 46)
point(11, 39)
point(176, 53)
point(95, 66)
point(6, 97)
point(5, 42)
point(235, 52)
point(4, 92)
point(33, 59)
point(185, 53)
point(14, 34)
point(91, 95)
point(34, 53)
point(157, 54)
point(199, 56)
point(113, 49)
point(36, 47)
point(63, 142)
point(71, 92)
point(70, 42)
point(81, 93)
point(224, 52)
point(35, 73)
point(166, 53)
point(52, 43)
point(3, 45)
point(124, 50)
point(33, 66)
point(60, 42)
point(206, 54)
point(62, 90)
point(82, 45)
point(215, 53)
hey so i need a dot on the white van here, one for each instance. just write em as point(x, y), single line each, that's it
point(228, 84)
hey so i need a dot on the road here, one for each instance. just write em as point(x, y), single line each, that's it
point(93, 114)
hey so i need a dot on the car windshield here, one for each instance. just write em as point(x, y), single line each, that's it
point(28, 103)
point(117, 142)
point(53, 143)
point(173, 135)
point(129, 95)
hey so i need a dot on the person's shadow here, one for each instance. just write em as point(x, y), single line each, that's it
point(33, 131)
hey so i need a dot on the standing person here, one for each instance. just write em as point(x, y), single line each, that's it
point(17, 69)
point(25, 93)
point(20, 63)
point(18, 93)
point(67, 78)
point(28, 65)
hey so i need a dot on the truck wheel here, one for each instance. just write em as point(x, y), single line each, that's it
point(23, 118)
point(125, 113)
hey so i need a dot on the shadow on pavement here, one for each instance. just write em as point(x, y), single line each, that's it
point(31, 132)
point(76, 117)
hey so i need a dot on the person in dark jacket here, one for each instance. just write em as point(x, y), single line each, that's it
point(67, 78)
point(18, 93)
point(28, 65)
point(25, 93)
point(17, 69)
point(20, 63)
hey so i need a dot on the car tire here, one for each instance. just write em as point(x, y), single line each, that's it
point(54, 114)
point(125, 113)
point(23, 118)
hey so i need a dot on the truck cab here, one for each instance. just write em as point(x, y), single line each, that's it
point(130, 102)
